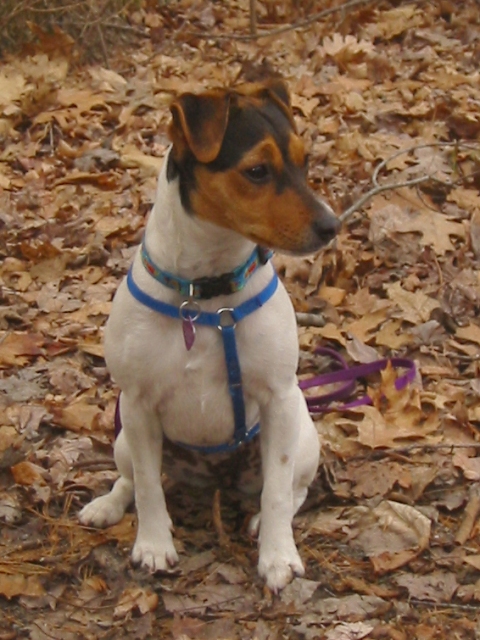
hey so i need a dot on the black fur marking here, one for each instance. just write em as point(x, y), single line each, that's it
point(172, 169)
point(246, 128)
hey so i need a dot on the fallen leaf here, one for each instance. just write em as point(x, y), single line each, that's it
point(434, 228)
point(349, 631)
point(27, 473)
point(20, 585)
point(392, 534)
point(469, 465)
point(438, 586)
point(415, 306)
point(299, 591)
point(471, 333)
point(16, 348)
point(135, 599)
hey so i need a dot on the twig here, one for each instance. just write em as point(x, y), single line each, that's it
point(253, 18)
point(383, 453)
point(310, 319)
point(428, 145)
point(470, 515)
point(378, 188)
point(102, 45)
point(223, 538)
point(444, 605)
point(101, 463)
point(290, 27)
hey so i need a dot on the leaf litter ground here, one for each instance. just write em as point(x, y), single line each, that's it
point(390, 535)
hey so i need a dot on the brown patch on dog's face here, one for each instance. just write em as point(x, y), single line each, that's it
point(296, 151)
point(279, 213)
point(256, 184)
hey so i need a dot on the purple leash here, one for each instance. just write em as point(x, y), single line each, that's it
point(346, 377)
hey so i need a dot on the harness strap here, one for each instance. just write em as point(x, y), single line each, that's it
point(225, 321)
point(207, 318)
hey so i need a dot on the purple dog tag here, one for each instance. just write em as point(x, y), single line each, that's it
point(188, 332)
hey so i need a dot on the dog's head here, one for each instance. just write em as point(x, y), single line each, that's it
point(242, 166)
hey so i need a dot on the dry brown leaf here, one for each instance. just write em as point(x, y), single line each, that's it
point(395, 21)
point(473, 561)
point(438, 586)
point(471, 333)
point(17, 348)
point(475, 232)
point(469, 465)
point(415, 306)
point(349, 631)
point(136, 599)
point(20, 585)
point(356, 607)
point(133, 157)
point(392, 534)
point(27, 473)
point(363, 328)
point(332, 295)
point(79, 416)
point(435, 228)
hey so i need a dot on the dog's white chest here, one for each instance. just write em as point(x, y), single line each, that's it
point(188, 389)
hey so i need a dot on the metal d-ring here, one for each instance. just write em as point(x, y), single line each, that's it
point(225, 320)
point(189, 310)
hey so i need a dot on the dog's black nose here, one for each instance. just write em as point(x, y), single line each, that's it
point(326, 226)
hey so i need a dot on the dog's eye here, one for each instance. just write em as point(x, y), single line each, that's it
point(259, 173)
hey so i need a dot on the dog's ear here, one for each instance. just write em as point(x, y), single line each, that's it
point(278, 90)
point(274, 89)
point(199, 122)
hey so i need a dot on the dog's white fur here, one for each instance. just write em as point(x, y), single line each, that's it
point(167, 390)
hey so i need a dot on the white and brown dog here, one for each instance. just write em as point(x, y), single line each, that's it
point(202, 338)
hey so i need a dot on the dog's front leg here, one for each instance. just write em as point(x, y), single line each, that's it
point(153, 546)
point(280, 423)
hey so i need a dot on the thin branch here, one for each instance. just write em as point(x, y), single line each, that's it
point(383, 453)
point(310, 319)
point(428, 145)
point(470, 515)
point(379, 188)
point(253, 18)
point(290, 27)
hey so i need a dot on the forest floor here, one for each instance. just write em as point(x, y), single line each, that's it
point(391, 535)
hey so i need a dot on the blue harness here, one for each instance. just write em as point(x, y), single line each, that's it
point(225, 320)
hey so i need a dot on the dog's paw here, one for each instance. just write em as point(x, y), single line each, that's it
point(101, 512)
point(277, 566)
point(156, 555)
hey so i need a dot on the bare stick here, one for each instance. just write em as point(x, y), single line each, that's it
point(470, 515)
point(310, 319)
point(223, 538)
point(289, 27)
point(378, 188)
point(253, 18)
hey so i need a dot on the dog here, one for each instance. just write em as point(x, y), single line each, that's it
point(234, 181)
